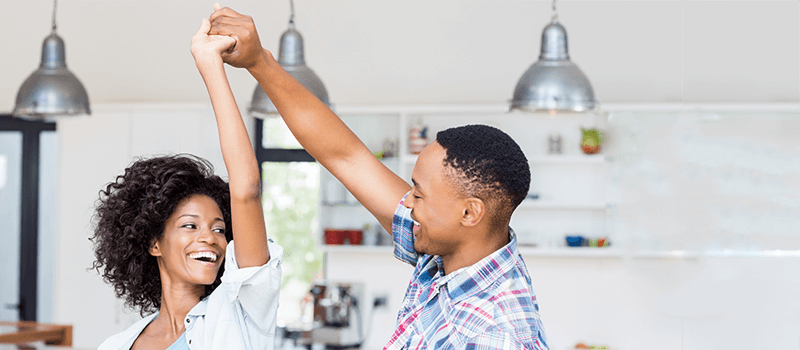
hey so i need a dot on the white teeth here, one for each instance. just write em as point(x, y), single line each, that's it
point(416, 223)
point(204, 255)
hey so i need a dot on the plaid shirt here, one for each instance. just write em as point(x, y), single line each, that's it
point(489, 305)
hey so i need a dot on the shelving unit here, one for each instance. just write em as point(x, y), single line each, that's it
point(571, 186)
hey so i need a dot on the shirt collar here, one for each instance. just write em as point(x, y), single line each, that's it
point(200, 308)
point(479, 276)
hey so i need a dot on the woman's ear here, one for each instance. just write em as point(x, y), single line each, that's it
point(155, 249)
point(474, 210)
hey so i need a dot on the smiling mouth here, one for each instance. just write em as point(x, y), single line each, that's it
point(204, 256)
point(415, 228)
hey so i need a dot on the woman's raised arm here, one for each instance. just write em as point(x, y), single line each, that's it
point(247, 216)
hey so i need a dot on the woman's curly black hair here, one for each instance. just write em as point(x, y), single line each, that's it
point(131, 213)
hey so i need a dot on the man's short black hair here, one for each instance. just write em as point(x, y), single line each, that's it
point(489, 165)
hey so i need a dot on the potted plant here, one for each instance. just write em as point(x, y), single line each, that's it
point(591, 140)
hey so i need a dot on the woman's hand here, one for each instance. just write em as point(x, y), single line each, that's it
point(208, 49)
point(247, 52)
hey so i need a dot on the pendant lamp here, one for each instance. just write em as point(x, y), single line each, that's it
point(292, 59)
point(52, 90)
point(553, 83)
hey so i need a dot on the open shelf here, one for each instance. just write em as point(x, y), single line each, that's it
point(551, 205)
point(362, 249)
point(593, 252)
point(569, 252)
point(545, 159)
point(571, 159)
point(565, 252)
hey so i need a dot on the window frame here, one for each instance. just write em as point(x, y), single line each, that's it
point(29, 209)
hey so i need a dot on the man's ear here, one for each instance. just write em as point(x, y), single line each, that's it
point(155, 249)
point(474, 211)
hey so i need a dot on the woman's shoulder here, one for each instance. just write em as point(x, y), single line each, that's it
point(125, 339)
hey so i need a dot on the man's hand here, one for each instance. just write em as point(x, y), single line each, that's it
point(207, 48)
point(248, 51)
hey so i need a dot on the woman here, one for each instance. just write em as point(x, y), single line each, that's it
point(166, 227)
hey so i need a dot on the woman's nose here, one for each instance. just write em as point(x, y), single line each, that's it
point(206, 236)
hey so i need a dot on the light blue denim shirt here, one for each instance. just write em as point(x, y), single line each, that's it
point(240, 314)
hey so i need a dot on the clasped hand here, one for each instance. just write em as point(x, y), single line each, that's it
point(209, 48)
point(229, 35)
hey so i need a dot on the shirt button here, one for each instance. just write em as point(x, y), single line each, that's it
point(188, 321)
point(190, 341)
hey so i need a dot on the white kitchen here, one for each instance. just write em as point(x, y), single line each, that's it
point(662, 214)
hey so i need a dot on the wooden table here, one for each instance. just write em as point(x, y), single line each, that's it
point(23, 332)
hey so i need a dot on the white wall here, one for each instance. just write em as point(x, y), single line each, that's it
point(427, 51)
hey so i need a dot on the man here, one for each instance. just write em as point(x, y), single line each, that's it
point(470, 288)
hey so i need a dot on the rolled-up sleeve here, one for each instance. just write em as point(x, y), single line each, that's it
point(257, 288)
point(403, 234)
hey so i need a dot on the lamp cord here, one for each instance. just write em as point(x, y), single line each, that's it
point(555, 12)
point(291, 17)
point(55, 2)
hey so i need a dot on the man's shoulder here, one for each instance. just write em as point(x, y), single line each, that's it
point(508, 307)
point(509, 299)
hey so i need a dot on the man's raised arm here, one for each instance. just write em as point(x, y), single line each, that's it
point(314, 125)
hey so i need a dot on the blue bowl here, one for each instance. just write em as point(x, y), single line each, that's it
point(574, 241)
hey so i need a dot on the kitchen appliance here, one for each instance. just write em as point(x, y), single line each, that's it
point(337, 314)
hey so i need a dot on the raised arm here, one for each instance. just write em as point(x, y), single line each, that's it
point(314, 125)
point(247, 217)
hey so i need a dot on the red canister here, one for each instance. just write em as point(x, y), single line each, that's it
point(335, 236)
point(355, 237)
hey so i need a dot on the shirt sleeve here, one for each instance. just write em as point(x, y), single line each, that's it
point(257, 288)
point(403, 233)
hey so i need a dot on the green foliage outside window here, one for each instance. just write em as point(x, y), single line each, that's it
point(289, 195)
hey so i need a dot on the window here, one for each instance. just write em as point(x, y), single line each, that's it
point(290, 191)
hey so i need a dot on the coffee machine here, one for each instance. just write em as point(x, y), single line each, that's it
point(337, 314)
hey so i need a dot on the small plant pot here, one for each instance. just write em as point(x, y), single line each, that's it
point(590, 149)
point(591, 140)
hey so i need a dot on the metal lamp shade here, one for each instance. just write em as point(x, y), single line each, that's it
point(292, 59)
point(553, 82)
point(52, 90)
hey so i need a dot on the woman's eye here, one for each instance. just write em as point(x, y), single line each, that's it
point(219, 230)
point(192, 226)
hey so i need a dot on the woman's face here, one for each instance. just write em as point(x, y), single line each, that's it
point(192, 247)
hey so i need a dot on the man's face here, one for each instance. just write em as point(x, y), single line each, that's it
point(436, 206)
